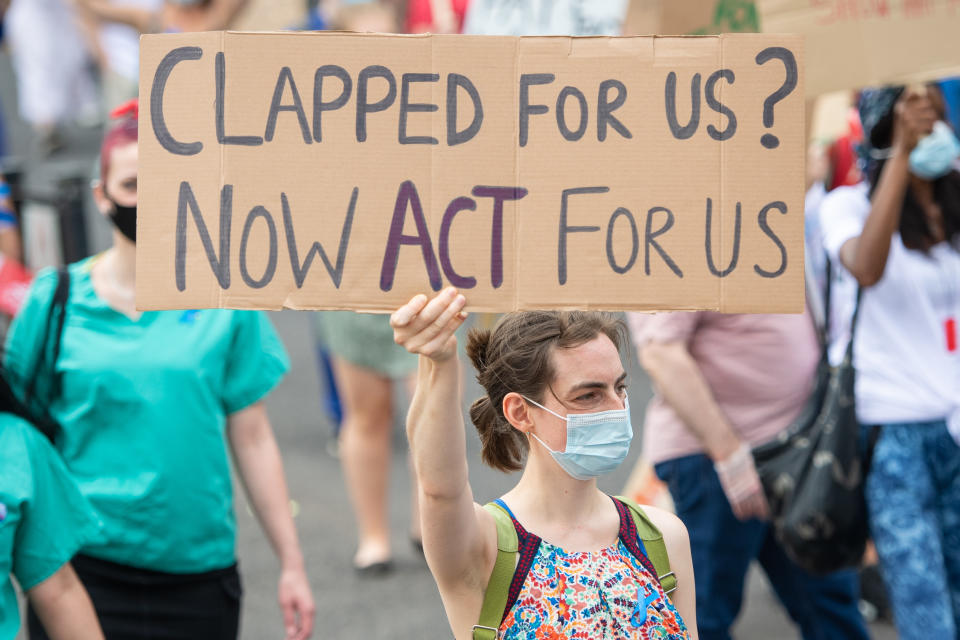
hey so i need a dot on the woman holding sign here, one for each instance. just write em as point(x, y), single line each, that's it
point(554, 557)
point(148, 405)
point(903, 247)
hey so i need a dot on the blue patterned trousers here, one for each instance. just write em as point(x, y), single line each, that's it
point(913, 499)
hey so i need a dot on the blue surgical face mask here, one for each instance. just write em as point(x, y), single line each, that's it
point(596, 442)
point(934, 155)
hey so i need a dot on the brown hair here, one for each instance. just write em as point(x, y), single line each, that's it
point(515, 356)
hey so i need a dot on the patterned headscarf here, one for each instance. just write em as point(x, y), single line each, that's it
point(875, 107)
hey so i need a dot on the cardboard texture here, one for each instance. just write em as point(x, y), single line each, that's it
point(854, 44)
point(301, 194)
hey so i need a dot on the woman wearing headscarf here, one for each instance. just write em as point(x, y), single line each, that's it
point(902, 245)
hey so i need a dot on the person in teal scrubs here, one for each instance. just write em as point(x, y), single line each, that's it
point(43, 521)
point(150, 404)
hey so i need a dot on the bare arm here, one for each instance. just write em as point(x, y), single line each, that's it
point(456, 532)
point(681, 383)
point(10, 244)
point(677, 540)
point(64, 608)
point(258, 461)
point(142, 20)
point(865, 257)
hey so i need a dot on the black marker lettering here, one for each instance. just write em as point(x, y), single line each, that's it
point(709, 93)
point(670, 97)
point(565, 229)
point(605, 109)
point(271, 268)
point(285, 77)
point(319, 106)
point(566, 132)
point(406, 106)
point(300, 271)
point(220, 108)
point(455, 137)
point(635, 237)
point(765, 227)
point(650, 241)
point(219, 265)
point(526, 109)
point(708, 240)
point(157, 120)
point(364, 107)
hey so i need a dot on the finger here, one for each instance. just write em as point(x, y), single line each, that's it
point(428, 333)
point(439, 342)
point(402, 316)
point(424, 317)
point(738, 510)
point(307, 615)
point(289, 619)
point(764, 508)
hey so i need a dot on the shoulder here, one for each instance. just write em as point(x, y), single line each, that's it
point(671, 527)
point(41, 289)
point(16, 437)
point(22, 447)
point(45, 282)
point(845, 201)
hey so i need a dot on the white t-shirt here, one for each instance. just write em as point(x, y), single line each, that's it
point(905, 372)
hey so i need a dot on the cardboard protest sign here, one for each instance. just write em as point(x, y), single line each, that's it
point(856, 43)
point(691, 17)
point(333, 170)
point(545, 17)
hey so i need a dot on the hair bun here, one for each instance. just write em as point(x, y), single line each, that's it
point(478, 341)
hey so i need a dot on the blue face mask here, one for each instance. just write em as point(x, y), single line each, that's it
point(596, 442)
point(934, 155)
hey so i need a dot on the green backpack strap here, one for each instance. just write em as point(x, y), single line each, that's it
point(498, 588)
point(653, 543)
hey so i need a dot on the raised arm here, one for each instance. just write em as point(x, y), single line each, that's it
point(459, 537)
point(865, 257)
point(142, 20)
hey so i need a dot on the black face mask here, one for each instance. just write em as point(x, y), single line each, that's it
point(124, 218)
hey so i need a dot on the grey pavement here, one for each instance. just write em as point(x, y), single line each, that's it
point(404, 604)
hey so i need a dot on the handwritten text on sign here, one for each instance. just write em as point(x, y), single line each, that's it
point(352, 171)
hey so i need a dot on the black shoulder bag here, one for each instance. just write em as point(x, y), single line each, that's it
point(46, 361)
point(813, 473)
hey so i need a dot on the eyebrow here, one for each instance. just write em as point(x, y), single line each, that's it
point(596, 385)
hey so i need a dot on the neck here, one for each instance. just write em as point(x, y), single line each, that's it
point(123, 260)
point(549, 494)
point(922, 191)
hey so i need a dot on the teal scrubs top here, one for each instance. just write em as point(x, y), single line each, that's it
point(43, 517)
point(143, 411)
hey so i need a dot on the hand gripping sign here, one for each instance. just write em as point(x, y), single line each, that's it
point(348, 171)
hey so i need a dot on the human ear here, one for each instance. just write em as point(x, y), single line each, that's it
point(100, 198)
point(517, 412)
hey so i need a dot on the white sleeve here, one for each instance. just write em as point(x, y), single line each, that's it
point(843, 213)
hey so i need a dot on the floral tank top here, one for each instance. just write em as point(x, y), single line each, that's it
point(611, 594)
